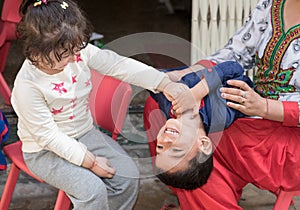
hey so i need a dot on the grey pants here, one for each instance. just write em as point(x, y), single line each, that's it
point(86, 190)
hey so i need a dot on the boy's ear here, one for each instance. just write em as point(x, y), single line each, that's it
point(205, 145)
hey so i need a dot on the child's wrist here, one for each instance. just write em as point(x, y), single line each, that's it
point(94, 163)
point(89, 161)
point(198, 98)
point(198, 94)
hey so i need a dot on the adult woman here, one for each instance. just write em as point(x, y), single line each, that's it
point(255, 150)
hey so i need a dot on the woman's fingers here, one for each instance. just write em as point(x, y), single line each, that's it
point(231, 96)
point(243, 98)
point(239, 84)
point(239, 94)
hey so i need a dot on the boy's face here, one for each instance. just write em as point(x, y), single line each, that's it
point(178, 142)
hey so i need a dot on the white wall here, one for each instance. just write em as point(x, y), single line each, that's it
point(214, 22)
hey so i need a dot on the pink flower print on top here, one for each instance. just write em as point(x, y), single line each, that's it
point(73, 101)
point(59, 87)
point(87, 107)
point(87, 83)
point(78, 58)
point(72, 117)
point(57, 111)
point(74, 80)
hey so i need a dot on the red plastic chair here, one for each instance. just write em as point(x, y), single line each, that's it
point(9, 19)
point(153, 121)
point(285, 199)
point(109, 102)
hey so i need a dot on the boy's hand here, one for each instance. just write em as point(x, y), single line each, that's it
point(176, 75)
point(180, 95)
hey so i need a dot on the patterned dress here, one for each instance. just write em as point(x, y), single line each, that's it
point(264, 43)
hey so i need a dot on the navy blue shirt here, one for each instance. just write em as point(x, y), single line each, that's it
point(214, 112)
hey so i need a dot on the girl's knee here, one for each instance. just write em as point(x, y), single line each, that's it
point(95, 190)
point(92, 195)
point(127, 185)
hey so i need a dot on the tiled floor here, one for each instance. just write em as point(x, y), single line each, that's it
point(116, 20)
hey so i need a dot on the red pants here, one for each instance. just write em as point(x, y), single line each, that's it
point(262, 152)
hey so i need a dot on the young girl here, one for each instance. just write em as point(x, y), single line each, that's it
point(50, 97)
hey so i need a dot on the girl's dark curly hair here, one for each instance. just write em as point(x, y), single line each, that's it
point(52, 27)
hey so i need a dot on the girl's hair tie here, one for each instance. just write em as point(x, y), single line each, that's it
point(39, 2)
point(64, 5)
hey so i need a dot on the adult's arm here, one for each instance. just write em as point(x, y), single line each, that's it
point(244, 44)
point(242, 47)
point(286, 112)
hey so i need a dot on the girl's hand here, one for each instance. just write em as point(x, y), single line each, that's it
point(102, 168)
point(244, 99)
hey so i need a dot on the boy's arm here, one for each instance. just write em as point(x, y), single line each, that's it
point(177, 75)
point(200, 90)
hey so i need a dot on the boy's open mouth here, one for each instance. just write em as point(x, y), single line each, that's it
point(171, 131)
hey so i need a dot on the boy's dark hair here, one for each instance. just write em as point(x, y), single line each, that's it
point(52, 27)
point(193, 177)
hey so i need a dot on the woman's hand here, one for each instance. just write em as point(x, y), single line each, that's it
point(102, 168)
point(244, 99)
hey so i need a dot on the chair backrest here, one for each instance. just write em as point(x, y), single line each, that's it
point(109, 101)
point(10, 11)
point(153, 121)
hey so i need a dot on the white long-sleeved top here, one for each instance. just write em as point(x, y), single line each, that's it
point(53, 110)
